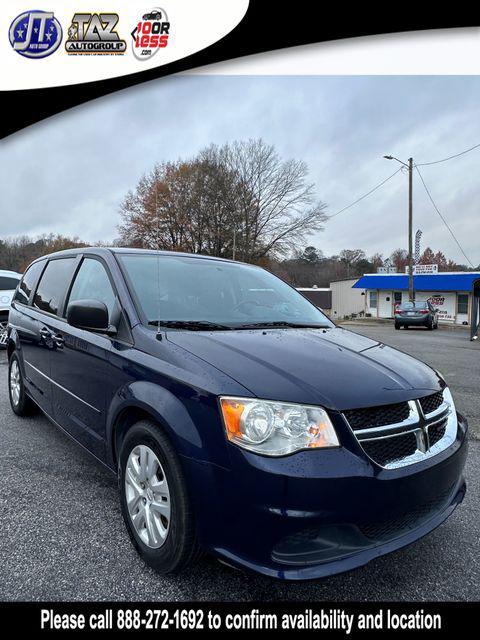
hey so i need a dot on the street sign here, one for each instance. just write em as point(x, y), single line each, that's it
point(423, 269)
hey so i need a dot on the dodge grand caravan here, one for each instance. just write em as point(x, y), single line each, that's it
point(238, 419)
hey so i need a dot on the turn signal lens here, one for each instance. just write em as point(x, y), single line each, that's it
point(276, 428)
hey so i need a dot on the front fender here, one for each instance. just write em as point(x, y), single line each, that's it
point(13, 343)
point(171, 413)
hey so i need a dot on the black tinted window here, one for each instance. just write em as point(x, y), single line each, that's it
point(53, 284)
point(7, 283)
point(28, 282)
point(92, 283)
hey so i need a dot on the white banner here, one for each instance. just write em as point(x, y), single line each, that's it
point(66, 42)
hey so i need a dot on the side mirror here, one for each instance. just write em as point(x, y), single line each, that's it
point(91, 315)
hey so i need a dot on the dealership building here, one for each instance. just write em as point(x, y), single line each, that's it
point(455, 294)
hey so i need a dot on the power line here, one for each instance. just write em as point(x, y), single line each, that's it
point(366, 194)
point(443, 219)
point(425, 164)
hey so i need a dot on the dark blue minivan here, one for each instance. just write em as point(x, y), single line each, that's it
point(239, 419)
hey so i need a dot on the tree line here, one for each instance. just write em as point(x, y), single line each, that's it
point(302, 267)
point(310, 267)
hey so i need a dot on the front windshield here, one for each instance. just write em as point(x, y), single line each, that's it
point(188, 289)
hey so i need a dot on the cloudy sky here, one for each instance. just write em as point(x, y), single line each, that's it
point(68, 174)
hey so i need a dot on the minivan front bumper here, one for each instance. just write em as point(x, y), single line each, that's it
point(321, 512)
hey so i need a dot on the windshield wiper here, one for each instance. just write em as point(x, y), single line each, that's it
point(281, 324)
point(190, 325)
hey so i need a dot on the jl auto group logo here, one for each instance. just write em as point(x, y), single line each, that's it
point(94, 33)
point(150, 34)
point(35, 34)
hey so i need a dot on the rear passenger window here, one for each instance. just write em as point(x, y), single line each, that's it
point(92, 283)
point(8, 284)
point(53, 284)
point(28, 282)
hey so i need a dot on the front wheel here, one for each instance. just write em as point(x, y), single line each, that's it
point(21, 404)
point(154, 500)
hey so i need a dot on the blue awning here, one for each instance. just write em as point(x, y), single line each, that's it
point(431, 282)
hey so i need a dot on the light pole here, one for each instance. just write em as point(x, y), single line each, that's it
point(409, 165)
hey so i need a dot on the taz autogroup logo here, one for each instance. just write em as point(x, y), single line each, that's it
point(150, 34)
point(35, 34)
point(94, 33)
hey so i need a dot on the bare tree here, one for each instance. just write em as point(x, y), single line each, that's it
point(399, 258)
point(350, 257)
point(277, 204)
point(237, 199)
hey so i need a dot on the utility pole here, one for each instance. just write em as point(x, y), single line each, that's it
point(411, 294)
point(409, 166)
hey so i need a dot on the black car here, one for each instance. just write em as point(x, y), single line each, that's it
point(236, 416)
point(416, 314)
point(154, 15)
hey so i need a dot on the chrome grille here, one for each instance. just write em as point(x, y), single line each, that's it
point(377, 416)
point(431, 403)
point(3, 334)
point(387, 450)
point(418, 434)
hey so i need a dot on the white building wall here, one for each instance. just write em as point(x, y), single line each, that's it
point(346, 300)
point(444, 301)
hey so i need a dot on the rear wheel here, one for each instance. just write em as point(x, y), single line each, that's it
point(397, 326)
point(154, 500)
point(21, 404)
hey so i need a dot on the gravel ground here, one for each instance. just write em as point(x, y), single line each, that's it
point(63, 537)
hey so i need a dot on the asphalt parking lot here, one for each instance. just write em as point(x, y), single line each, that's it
point(62, 535)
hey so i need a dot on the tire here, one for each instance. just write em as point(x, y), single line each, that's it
point(20, 402)
point(170, 544)
point(405, 326)
point(397, 326)
point(430, 325)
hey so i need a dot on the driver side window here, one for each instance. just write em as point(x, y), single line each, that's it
point(92, 283)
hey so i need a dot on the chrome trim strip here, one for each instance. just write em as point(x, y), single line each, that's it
point(443, 407)
point(62, 388)
point(391, 435)
point(413, 419)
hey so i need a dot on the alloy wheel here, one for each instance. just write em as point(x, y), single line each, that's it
point(15, 383)
point(147, 496)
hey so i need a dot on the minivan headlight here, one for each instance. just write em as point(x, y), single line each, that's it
point(276, 428)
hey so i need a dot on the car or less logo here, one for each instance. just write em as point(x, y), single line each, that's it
point(35, 34)
point(151, 33)
point(94, 33)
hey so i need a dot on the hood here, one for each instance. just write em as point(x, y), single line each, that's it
point(336, 368)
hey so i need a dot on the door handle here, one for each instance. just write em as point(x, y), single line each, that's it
point(45, 333)
point(59, 340)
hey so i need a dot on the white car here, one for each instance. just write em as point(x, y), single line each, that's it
point(8, 284)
